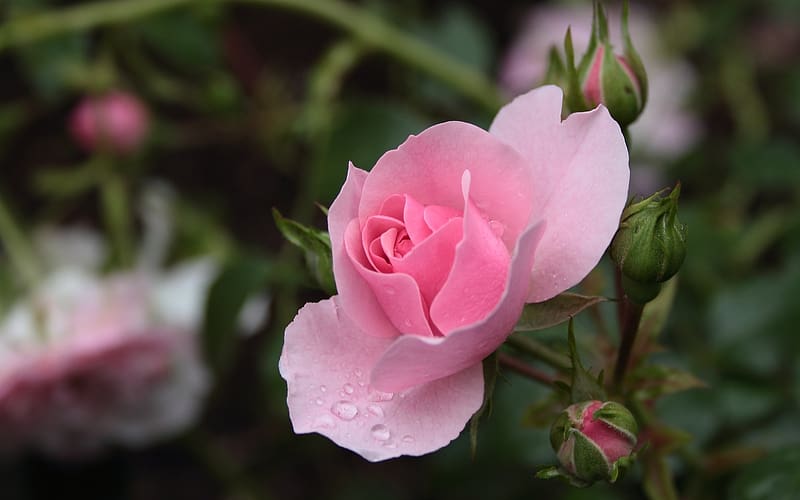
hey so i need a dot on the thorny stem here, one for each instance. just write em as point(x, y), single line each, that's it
point(524, 369)
point(630, 315)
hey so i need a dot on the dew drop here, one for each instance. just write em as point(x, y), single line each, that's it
point(375, 410)
point(381, 396)
point(318, 402)
point(324, 422)
point(358, 373)
point(323, 389)
point(344, 410)
point(380, 432)
point(348, 389)
point(408, 439)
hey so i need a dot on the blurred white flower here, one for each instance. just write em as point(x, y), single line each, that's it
point(85, 362)
point(666, 128)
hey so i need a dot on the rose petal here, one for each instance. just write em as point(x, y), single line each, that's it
point(477, 279)
point(354, 293)
point(580, 169)
point(397, 294)
point(429, 262)
point(414, 218)
point(429, 167)
point(413, 360)
point(325, 362)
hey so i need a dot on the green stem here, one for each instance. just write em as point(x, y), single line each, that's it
point(631, 316)
point(540, 351)
point(19, 249)
point(116, 211)
point(524, 369)
point(365, 27)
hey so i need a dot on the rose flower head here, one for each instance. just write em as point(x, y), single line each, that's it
point(593, 440)
point(435, 252)
point(85, 362)
point(117, 122)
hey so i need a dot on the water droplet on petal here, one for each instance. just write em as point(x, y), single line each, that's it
point(323, 389)
point(358, 373)
point(408, 438)
point(318, 402)
point(381, 396)
point(344, 410)
point(375, 410)
point(380, 432)
point(348, 389)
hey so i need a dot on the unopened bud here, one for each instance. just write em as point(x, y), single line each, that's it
point(117, 122)
point(650, 245)
point(593, 440)
point(619, 82)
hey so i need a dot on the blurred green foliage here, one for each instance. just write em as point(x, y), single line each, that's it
point(231, 89)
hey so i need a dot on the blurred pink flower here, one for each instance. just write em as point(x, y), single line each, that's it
point(435, 252)
point(87, 361)
point(666, 128)
point(117, 121)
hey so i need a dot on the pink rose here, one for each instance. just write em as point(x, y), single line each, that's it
point(117, 121)
point(436, 251)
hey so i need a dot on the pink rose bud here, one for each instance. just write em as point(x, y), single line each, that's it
point(619, 82)
point(117, 122)
point(593, 440)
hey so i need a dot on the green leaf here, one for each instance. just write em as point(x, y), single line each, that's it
point(772, 478)
point(490, 371)
point(237, 282)
point(184, 39)
point(554, 311)
point(653, 381)
point(658, 482)
point(317, 247)
point(52, 65)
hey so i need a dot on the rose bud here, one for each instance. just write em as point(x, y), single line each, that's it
point(619, 82)
point(650, 245)
point(116, 122)
point(593, 440)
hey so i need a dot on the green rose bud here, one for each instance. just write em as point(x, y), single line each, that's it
point(593, 440)
point(650, 245)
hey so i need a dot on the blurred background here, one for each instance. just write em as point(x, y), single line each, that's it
point(221, 111)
